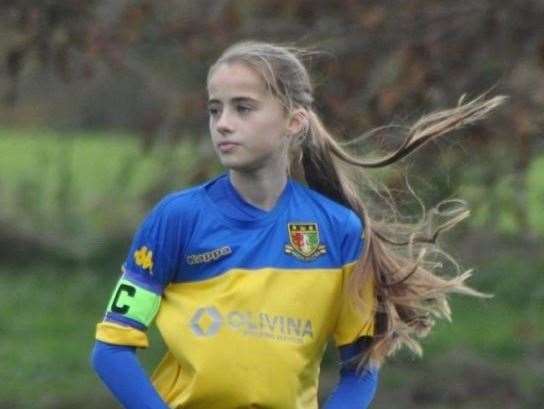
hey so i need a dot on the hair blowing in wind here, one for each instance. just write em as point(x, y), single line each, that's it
point(401, 258)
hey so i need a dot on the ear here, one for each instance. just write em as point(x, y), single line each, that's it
point(297, 122)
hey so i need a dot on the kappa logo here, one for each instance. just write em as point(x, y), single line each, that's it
point(143, 257)
point(304, 241)
point(209, 256)
point(208, 321)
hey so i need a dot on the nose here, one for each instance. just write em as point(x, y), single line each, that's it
point(224, 122)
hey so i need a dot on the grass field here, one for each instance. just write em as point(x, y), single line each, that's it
point(81, 182)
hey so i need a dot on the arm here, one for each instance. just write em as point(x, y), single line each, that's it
point(354, 390)
point(120, 370)
point(130, 311)
point(354, 329)
point(132, 307)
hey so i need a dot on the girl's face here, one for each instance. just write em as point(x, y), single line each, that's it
point(248, 126)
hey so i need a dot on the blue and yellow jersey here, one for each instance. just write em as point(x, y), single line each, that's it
point(245, 299)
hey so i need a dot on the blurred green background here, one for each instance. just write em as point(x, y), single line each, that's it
point(103, 111)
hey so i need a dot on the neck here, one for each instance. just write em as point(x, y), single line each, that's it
point(261, 189)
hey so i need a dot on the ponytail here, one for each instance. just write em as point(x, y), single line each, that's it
point(319, 165)
point(410, 294)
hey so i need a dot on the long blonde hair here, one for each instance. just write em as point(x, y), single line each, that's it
point(399, 257)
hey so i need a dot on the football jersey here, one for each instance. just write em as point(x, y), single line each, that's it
point(245, 299)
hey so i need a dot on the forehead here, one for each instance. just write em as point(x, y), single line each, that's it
point(230, 80)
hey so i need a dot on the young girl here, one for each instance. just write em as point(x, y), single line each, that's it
point(248, 275)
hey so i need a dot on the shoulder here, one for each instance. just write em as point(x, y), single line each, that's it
point(338, 214)
point(179, 203)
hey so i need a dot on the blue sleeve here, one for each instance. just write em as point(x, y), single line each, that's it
point(352, 242)
point(120, 370)
point(156, 246)
point(149, 267)
point(355, 390)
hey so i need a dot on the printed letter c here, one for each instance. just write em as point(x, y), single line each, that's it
point(130, 290)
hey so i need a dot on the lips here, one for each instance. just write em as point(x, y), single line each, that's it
point(227, 146)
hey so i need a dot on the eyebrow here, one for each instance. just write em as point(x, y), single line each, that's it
point(235, 99)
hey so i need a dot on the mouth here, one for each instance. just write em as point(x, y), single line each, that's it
point(227, 146)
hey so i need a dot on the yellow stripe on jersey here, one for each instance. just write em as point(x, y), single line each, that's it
point(118, 334)
point(253, 337)
point(354, 322)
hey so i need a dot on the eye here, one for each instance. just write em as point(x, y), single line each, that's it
point(213, 111)
point(243, 109)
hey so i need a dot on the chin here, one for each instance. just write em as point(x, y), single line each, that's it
point(231, 163)
point(237, 165)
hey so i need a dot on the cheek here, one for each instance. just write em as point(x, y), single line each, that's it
point(272, 124)
point(268, 137)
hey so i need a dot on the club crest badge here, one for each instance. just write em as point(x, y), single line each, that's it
point(304, 241)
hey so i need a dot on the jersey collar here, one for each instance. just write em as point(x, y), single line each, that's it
point(224, 197)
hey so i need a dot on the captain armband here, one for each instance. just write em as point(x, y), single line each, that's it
point(132, 301)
